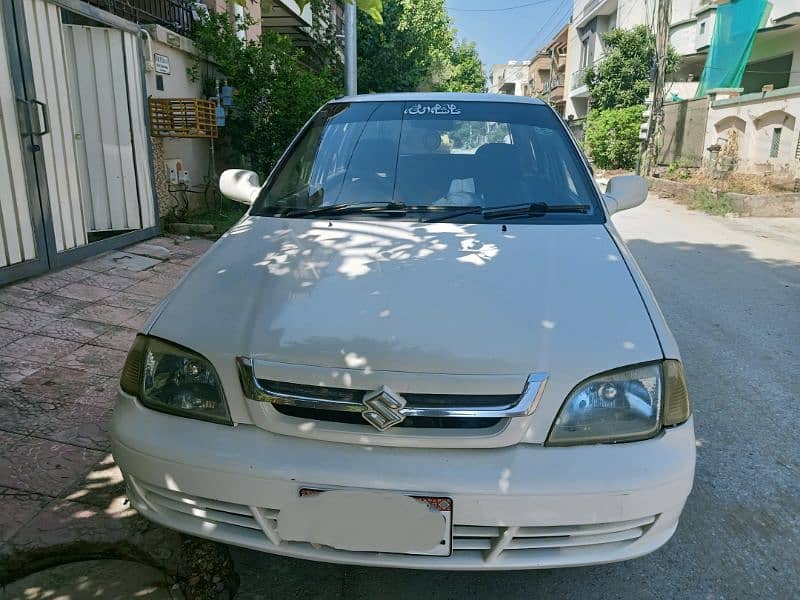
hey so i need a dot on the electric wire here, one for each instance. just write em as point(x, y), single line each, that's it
point(535, 38)
point(502, 9)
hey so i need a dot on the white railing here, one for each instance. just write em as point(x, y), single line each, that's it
point(552, 84)
point(577, 78)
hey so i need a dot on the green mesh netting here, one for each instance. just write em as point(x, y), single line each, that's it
point(734, 34)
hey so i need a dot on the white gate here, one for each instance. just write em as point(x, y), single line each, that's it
point(17, 243)
point(45, 38)
point(113, 185)
point(75, 172)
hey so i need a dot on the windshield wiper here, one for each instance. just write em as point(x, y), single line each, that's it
point(535, 209)
point(394, 208)
point(339, 209)
point(454, 212)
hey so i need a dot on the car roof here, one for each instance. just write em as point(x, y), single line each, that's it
point(439, 97)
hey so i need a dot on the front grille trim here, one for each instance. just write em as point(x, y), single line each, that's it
point(510, 407)
point(354, 418)
point(488, 544)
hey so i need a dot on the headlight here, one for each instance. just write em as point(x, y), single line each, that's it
point(175, 380)
point(624, 405)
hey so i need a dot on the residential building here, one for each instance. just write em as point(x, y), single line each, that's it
point(538, 73)
point(753, 126)
point(286, 18)
point(547, 71)
point(541, 77)
point(510, 78)
point(775, 57)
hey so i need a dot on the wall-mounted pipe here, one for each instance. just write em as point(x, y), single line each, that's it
point(149, 65)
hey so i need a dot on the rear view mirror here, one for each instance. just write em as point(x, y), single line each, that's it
point(239, 185)
point(624, 192)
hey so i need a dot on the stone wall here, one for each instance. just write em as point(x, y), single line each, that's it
point(745, 205)
point(753, 120)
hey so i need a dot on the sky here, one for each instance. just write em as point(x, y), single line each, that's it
point(508, 29)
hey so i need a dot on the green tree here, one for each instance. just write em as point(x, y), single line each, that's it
point(612, 136)
point(465, 69)
point(623, 77)
point(276, 92)
point(371, 7)
point(404, 52)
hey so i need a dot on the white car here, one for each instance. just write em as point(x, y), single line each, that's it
point(424, 346)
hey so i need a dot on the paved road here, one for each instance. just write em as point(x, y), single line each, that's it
point(730, 289)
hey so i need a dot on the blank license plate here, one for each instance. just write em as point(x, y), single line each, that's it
point(365, 521)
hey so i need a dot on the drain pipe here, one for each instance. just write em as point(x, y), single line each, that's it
point(149, 65)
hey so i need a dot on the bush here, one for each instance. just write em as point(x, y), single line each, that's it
point(711, 202)
point(612, 136)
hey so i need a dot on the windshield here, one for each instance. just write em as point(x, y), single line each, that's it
point(429, 155)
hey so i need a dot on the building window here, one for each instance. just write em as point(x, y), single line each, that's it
point(776, 143)
point(702, 28)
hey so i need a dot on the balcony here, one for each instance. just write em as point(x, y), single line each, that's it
point(286, 18)
point(552, 84)
point(592, 9)
point(175, 15)
point(577, 86)
point(577, 78)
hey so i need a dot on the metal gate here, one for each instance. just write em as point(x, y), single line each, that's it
point(112, 191)
point(22, 246)
point(73, 143)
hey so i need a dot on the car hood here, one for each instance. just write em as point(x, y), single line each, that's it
point(414, 297)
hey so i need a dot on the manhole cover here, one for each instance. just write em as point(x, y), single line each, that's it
point(94, 580)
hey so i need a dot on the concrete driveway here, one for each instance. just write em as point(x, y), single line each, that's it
point(730, 289)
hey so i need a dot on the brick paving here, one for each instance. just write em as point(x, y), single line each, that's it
point(63, 340)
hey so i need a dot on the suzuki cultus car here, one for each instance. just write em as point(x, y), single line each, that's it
point(425, 345)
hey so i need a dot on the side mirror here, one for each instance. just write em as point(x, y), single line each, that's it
point(624, 192)
point(239, 185)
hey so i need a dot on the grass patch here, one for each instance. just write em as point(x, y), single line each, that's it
point(741, 183)
point(713, 203)
point(222, 218)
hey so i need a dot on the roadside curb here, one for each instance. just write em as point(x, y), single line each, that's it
point(782, 204)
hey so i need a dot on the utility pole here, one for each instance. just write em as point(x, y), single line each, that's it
point(350, 41)
point(657, 107)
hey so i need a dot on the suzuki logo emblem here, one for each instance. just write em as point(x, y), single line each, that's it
point(383, 408)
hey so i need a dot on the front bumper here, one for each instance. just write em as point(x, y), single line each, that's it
point(520, 507)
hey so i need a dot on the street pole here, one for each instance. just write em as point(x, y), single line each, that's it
point(657, 107)
point(350, 41)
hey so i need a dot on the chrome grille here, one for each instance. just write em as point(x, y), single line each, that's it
point(411, 409)
point(354, 418)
